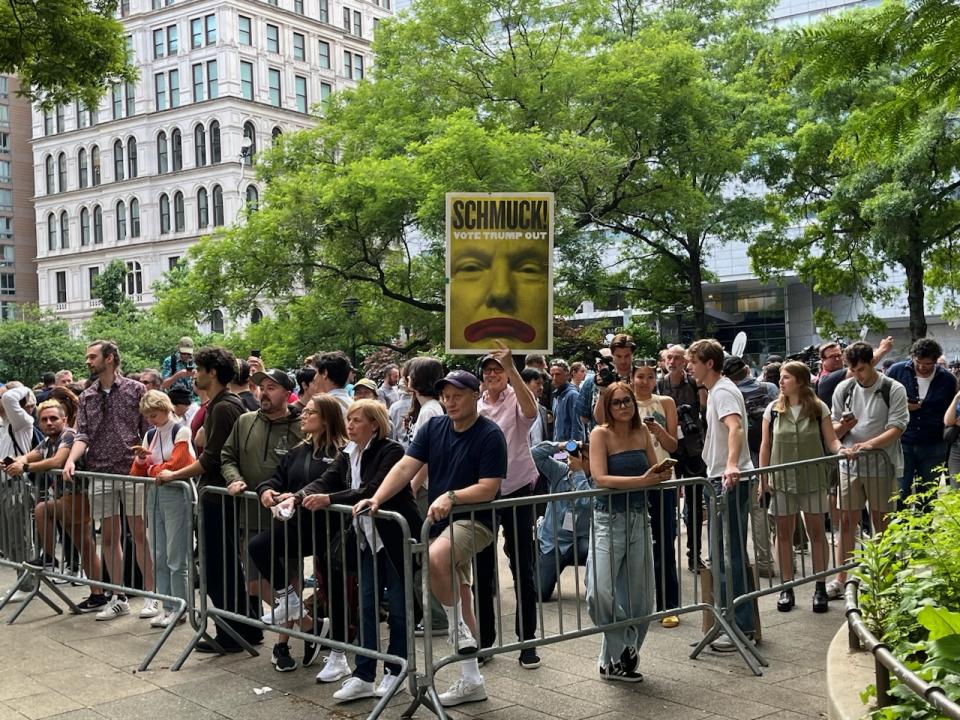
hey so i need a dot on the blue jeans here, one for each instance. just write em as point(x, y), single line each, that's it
point(391, 579)
point(554, 563)
point(620, 582)
point(733, 534)
point(168, 524)
point(919, 460)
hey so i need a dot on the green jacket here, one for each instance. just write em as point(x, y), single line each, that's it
point(251, 451)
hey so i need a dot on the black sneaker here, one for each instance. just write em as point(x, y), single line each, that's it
point(41, 562)
point(484, 659)
point(281, 658)
point(629, 658)
point(529, 658)
point(311, 650)
point(94, 603)
point(616, 671)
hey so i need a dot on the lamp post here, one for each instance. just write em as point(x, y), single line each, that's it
point(351, 306)
point(678, 309)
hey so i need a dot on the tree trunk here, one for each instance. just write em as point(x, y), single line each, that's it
point(696, 286)
point(913, 264)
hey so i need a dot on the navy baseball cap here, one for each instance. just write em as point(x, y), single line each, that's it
point(458, 378)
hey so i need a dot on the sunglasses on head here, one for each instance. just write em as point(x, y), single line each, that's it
point(647, 362)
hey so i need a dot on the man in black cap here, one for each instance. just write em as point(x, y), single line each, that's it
point(467, 456)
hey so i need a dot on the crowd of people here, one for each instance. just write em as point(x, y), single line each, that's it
point(429, 444)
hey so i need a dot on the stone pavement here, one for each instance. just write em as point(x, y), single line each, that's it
point(74, 668)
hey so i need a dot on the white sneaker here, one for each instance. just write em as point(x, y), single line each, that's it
point(288, 607)
point(463, 692)
point(150, 609)
point(335, 667)
point(159, 620)
point(17, 596)
point(462, 639)
point(170, 617)
point(387, 685)
point(354, 688)
point(834, 590)
point(114, 609)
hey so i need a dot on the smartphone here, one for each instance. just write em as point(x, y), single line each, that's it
point(664, 465)
point(847, 416)
point(649, 420)
point(140, 449)
point(255, 353)
point(8, 460)
point(364, 511)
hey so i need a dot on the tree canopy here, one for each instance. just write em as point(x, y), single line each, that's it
point(63, 50)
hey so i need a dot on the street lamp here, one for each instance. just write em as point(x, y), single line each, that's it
point(351, 306)
point(678, 309)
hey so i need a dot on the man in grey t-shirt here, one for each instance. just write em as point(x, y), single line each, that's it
point(869, 413)
point(726, 455)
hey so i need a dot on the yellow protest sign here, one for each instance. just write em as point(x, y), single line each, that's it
point(499, 271)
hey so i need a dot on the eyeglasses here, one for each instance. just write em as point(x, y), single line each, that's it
point(310, 411)
point(621, 403)
point(837, 356)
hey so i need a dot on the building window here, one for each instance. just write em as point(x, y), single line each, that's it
point(198, 82)
point(298, 7)
point(4, 88)
point(159, 43)
point(211, 26)
point(121, 220)
point(214, 142)
point(164, 214)
point(162, 165)
point(4, 171)
point(299, 48)
point(47, 122)
point(51, 176)
point(82, 168)
point(131, 157)
point(51, 232)
point(273, 38)
point(246, 80)
point(131, 99)
point(176, 150)
point(6, 228)
point(6, 199)
point(172, 39)
point(273, 76)
point(124, 8)
point(243, 31)
point(179, 221)
point(4, 142)
point(217, 206)
point(61, 277)
point(62, 172)
point(8, 284)
point(275, 135)
point(172, 262)
point(324, 54)
point(203, 209)
point(324, 11)
point(213, 91)
point(134, 218)
point(256, 316)
point(82, 116)
point(116, 101)
point(301, 92)
point(7, 255)
point(134, 278)
point(92, 274)
point(358, 67)
point(253, 198)
point(200, 145)
point(346, 19)
point(196, 33)
point(95, 166)
point(84, 227)
point(64, 230)
point(117, 161)
point(357, 23)
point(160, 91)
point(97, 225)
point(174, 88)
point(347, 64)
point(249, 148)
point(216, 322)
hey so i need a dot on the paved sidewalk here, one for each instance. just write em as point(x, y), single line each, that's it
point(74, 668)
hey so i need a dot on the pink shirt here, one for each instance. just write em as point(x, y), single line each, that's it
point(506, 413)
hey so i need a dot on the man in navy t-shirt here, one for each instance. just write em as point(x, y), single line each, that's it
point(467, 456)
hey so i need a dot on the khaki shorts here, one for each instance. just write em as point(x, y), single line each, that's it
point(783, 504)
point(858, 491)
point(105, 499)
point(467, 538)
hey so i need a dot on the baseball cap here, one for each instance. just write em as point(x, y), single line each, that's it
point(185, 345)
point(278, 376)
point(458, 378)
point(733, 365)
point(488, 358)
point(180, 396)
point(367, 383)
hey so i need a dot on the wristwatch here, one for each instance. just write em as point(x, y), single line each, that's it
point(453, 496)
point(26, 468)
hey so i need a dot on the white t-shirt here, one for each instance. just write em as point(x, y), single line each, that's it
point(873, 416)
point(924, 385)
point(724, 399)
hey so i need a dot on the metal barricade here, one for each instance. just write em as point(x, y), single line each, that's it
point(132, 514)
point(253, 582)
point(619, 561)
point(810, 511)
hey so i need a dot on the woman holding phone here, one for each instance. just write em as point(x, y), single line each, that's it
point(659, 414)
point(620, 577)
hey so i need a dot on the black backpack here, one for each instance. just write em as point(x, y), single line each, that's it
point(756, 403)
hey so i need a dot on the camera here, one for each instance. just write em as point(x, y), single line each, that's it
point(606, 375)
point(191, 365)
point(688, 421)
point(572, 447)
point(809, 356)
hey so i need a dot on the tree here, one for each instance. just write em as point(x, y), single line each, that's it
point(861, 214)
point(640, 122)
point(36, 344)
point(110, 287)
point(64, 50)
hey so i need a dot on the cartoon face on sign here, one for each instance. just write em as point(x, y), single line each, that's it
point(499, 291)
point(498, 256)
